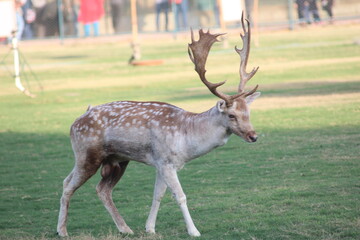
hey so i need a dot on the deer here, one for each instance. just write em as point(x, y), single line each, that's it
point(158, 134)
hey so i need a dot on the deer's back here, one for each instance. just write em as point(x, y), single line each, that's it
point(129, 130)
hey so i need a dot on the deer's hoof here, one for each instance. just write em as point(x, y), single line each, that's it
point(62, 234)
point(127, 231)
point(194, 233)
point(151, 231)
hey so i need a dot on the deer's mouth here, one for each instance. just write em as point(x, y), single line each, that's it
point(251, 137)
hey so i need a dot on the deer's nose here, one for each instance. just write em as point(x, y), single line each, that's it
point(251, 136)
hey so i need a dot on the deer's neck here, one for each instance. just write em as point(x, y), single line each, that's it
point(204, 132)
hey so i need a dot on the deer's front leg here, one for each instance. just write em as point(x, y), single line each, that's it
point(159, 191)
point(171, 179)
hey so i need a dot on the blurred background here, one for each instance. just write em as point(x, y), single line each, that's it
point(79, 18)
point(299, 181)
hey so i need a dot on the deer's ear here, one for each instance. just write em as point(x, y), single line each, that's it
point(252, 97)
point(221, 105)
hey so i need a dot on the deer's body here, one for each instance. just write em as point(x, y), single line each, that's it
point(157, 134)
point(135, 131)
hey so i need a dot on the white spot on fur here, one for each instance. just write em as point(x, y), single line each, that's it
point(156, 123)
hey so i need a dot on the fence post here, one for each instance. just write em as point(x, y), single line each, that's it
point(61, 21)
point(175, 18)
point(290, 14)
point(135, 32)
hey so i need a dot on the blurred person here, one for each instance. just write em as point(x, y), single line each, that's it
point(206, 12)
point(48, 19)
point(300, 7)
point(29, 16)
point(327, 5)
point(312, 10)
point(38, 28)
point(70, 14)
point(181, 6)
point(116, 7)
point(89, 15)
point(162, 6)
point(19, 17)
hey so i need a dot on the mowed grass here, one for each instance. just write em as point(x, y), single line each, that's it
point(301, 180)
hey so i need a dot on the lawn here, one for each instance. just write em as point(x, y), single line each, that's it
point(301, 180)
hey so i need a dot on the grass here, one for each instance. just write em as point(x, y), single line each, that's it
point(299, 181)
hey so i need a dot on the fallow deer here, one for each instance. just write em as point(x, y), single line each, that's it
point(157, 134)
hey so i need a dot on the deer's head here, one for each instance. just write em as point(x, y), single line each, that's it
point(233, 108)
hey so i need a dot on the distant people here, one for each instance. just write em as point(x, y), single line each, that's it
point(116, 8)
point(162, 6)
point(327, 6)
point(38, 27)
point(206, 12)
point(19, 18)
point(47, 19)
point(70, 15)
point(181, 7)
point(89, 15)
point(29, 16)
point(300, 7)
point(312, 11)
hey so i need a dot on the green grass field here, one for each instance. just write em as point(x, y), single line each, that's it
point(301, 180)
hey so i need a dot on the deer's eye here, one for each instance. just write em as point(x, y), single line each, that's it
point(231, 116)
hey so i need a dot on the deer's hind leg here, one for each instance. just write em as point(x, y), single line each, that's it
point(111, 173)
point(83, 170)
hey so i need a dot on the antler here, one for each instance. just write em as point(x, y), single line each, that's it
point(198, 53)
point(244, 56)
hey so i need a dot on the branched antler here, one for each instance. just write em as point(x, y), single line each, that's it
point(244, 57)
point(199, 51)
